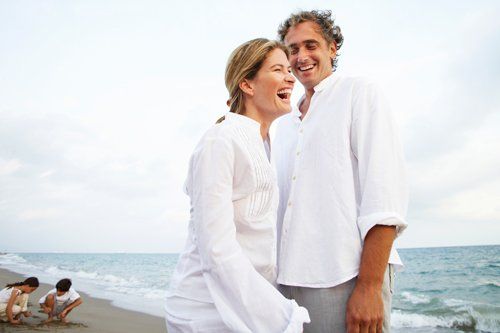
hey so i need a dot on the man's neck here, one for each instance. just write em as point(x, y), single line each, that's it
point(304, 105)
point(309, 92)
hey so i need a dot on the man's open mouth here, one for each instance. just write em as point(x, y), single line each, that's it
point(306, 67)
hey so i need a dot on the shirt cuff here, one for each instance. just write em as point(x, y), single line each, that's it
point(365, 223)
point(300, 315)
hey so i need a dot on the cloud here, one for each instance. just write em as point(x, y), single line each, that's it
point(40, 214)
point(98, 143)
point(8, 167)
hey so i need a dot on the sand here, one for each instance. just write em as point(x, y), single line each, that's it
point(94, 315)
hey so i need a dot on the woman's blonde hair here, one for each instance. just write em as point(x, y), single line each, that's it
point(244, 63)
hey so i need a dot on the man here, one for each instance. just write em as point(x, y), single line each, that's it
point(343, 193)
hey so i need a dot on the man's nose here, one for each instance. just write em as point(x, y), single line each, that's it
point(302, 55)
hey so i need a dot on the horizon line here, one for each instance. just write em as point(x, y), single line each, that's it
point(124, 252)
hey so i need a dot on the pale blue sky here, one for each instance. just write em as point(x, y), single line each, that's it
point(102, 102)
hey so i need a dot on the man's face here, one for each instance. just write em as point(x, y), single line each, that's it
point(310, 54)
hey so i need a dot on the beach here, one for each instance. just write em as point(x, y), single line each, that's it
point(94, 315)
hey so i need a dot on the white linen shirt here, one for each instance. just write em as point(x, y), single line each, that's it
point(228, 267)
point(68, 297)
point(340, 172)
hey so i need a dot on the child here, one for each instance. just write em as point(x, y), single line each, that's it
point(60, 301)
point(14, 300)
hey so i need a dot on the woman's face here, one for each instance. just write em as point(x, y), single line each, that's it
point(272, 87)
point(27, 289)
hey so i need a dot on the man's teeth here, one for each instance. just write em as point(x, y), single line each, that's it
point(305, 68)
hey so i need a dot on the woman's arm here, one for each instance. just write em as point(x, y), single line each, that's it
point(10, 304)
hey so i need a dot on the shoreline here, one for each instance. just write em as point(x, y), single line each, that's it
point(94, 315)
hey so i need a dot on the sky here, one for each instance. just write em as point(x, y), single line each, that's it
point(102, 103)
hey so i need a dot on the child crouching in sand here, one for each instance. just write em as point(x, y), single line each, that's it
point(60, 301)
point(14, 300)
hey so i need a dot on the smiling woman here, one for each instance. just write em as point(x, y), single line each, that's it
point(224, 280)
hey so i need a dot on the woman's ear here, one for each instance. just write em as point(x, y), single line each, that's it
point(247, 87)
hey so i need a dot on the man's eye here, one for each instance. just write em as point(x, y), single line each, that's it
point(311, 46)
point(294, 51)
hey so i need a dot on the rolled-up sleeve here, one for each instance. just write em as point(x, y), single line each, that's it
point(375, 142)
point(245, 300)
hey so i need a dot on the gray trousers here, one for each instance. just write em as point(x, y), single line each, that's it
point(327, 306)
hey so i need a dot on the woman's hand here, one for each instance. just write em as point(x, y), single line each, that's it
point(15, 321)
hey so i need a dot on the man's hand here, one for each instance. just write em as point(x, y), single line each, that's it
point(15, 321)
point(63, 314)
point(27, 314)
point(365, 310)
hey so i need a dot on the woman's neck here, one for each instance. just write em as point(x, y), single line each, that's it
point(254, 114)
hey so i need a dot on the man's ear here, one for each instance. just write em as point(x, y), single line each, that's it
point(333, 50)
point(247, 87)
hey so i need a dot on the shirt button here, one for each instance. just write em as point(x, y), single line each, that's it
point(298, 153)
point(301, 131)
point(293, 178)
point(289, 203)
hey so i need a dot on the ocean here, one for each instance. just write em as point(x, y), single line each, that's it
point(452, 289)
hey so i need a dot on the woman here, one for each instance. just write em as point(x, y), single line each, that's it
point(14, 300)
point(224, 279)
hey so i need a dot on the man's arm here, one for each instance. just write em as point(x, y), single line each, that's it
point(384, 196)
point(365, 308)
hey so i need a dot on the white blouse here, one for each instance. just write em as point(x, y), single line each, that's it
point(6, 293)
point(227, 271)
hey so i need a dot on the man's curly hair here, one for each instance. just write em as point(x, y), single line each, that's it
point(323, 18)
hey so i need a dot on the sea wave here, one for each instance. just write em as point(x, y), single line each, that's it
point(11, 259)
point(470, 321)
point(415, 298)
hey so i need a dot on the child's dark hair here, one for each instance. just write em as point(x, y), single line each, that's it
point(31, 281)
point(63, 285)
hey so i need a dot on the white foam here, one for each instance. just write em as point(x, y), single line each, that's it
point(402, 320)
point(471, 319)
point(10, 258)
point(415, 298)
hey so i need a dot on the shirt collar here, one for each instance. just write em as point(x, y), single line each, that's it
point(326, 82)
point(244, 120)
